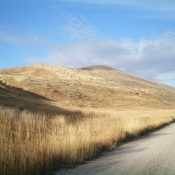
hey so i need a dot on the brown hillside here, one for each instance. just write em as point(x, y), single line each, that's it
point(97, 67)
point(90, 87)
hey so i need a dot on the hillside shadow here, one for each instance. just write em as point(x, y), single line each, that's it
point(16, 97)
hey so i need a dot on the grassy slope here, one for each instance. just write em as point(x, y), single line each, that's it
point(92, 88)
point(38, 135)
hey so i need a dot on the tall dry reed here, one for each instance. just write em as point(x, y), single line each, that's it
point(35, 143)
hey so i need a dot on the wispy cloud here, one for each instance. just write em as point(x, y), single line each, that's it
point(79, 29)
point(156, 5)
point(24, 40)
point(151, 59)
point(169, 76)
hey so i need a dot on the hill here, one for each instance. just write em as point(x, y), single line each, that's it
point(97, 67)
point(90, 87)
point(56, 117)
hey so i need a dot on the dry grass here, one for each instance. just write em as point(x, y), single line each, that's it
point(34, 143)
point(96, 88)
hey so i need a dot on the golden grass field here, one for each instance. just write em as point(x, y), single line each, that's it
point(37, 143)
point(55, 117)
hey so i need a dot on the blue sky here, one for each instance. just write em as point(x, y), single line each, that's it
point(132, 35)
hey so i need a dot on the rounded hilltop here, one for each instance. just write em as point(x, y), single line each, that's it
point(96, 86)
point(98, 67)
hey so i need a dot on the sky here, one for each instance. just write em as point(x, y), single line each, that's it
point(135, 36)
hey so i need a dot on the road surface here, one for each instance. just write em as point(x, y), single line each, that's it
point(153, 154)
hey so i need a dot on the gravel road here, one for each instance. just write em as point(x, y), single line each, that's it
point(153, 154)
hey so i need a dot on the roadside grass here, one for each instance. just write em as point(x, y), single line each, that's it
point(37, 143)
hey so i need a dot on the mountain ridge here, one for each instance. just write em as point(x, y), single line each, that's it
point(92, 87)
point(98, 67)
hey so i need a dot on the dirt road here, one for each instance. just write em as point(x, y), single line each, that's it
point(153, 154)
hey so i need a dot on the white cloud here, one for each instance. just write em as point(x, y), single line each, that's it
point(169, 76)
point(156, 5)
point(151, 59)
point(24, 40)
point(79, 29)
point(129, 2)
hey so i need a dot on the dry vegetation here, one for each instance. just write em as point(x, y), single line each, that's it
point(35, 143)
point(96, 87)
point(48, 123)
